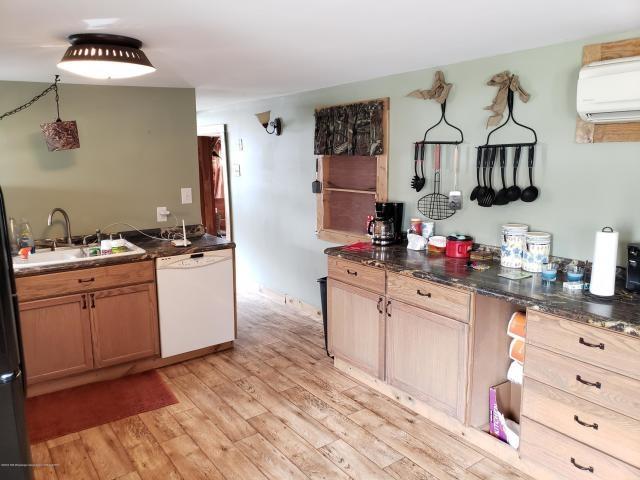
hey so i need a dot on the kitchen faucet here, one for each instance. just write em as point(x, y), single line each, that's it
point(66, 220)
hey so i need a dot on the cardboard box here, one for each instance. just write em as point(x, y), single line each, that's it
point(504, 404)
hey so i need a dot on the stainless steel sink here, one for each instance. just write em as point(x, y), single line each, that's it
point(69, 255)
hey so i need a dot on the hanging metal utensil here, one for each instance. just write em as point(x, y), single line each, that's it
point(474, 192)
point(435, 205)
point(514, 191)
point(455, 195)
point(502, 197)
point(422, 180)
point(489, 194)
point(416, 179)
point(316, 185)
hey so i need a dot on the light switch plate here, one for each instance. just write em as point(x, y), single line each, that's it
point(161, 214)
point(240, 145)
point(185, 194)
point(236, 169)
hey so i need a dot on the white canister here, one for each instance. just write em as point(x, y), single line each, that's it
point(513, 243)
point(537, 249)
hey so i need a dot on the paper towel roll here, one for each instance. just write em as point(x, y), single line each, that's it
point(605, 256)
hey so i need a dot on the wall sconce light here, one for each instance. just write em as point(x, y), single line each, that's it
point(275, 124)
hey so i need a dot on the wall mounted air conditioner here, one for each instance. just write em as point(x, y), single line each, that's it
point(609, 91)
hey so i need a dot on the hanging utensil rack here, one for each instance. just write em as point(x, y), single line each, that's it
point(443, 118)
point(510, 99)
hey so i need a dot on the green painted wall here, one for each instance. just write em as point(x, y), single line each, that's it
point(583, 187)
point(137, 148)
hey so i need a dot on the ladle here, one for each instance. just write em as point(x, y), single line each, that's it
point(501, 196)
point(514, 191)
point(530, 193)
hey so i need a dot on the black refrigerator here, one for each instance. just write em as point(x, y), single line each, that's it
point(14, 444)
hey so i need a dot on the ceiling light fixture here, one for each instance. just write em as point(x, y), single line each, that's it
point(102, 56)
point(276, 124)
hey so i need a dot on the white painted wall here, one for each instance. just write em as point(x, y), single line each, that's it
point(583, 187)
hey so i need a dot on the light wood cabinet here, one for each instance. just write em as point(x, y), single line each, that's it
point(93, 328)
point(356, 326)
point(56, 337)
point(124, 324)
point(427, 356)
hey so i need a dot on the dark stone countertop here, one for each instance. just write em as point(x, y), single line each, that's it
point(621, 313)
point(153, 249)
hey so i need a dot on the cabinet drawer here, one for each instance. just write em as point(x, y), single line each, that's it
point(613, 391)
point(357, 274)
point(85, 280)
point(610, 350)
point(435, 298)
point(568, 457)
point(596, 426)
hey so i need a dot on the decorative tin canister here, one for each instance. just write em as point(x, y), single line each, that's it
point(536, 251)
point(513, 243)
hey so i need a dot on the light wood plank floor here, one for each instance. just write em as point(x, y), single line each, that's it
point(272, 408)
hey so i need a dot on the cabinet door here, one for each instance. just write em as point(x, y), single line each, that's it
point(427, 357)
point(356, 326)
point(56, 337)
point(124, 324)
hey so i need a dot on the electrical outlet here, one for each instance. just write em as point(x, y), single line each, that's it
point(185, 194)
point(236, 169)
point(162, 213)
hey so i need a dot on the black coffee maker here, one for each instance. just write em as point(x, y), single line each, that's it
point(633, 267)
point(391, 211)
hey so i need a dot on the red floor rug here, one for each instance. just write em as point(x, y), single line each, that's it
point(68, 411)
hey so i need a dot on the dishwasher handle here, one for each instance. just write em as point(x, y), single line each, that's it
point(194, 262)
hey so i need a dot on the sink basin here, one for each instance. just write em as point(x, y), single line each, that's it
point(70, 255)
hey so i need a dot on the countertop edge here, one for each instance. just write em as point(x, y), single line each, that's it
point(618, 326)
point(151, 253)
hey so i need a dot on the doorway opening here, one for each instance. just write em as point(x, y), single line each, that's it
point(215, 202)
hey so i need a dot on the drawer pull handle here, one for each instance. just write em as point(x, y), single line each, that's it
point(592, 345)
point(388, 308)
point(86, 280)
point(354, 273)
point(84, 302)
point(585, 424)
point(93, 300)
point(380, 305)
point(591, 384)
point(580, 467)
point(422, 294)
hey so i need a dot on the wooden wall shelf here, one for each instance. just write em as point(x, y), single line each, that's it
point(351, 186)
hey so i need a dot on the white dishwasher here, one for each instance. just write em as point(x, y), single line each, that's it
point(195, 301)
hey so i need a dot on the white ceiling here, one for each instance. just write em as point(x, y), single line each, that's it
point(236, 50)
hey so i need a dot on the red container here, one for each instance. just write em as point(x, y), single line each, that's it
point(458, 247)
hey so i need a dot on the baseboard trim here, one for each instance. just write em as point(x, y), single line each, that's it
point(290, 301)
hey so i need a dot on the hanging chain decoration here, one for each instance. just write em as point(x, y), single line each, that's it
point(52, 87)
point(58, 135)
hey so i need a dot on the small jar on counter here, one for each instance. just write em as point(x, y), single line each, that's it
point(512, 244)
point(536, 251)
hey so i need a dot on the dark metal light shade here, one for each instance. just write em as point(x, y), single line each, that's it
point(61, 135)
point(101, 55)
